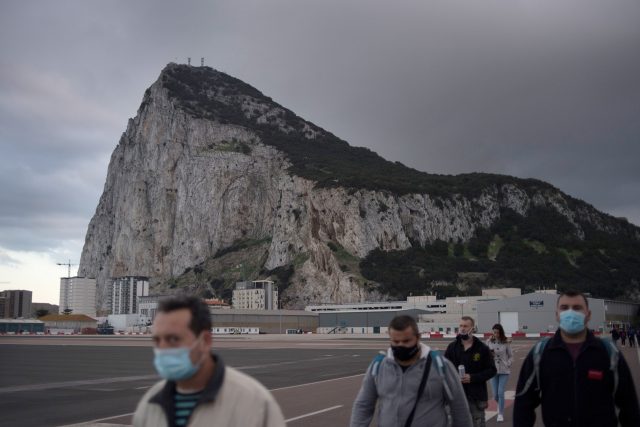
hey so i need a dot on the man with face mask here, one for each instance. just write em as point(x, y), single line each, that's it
point(197, 388)
point(475, 356)
point(411, 384)
point(576, 379)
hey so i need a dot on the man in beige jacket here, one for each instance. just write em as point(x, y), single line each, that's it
point(198, 389)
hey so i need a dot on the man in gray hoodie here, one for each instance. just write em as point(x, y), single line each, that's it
point(405, 395)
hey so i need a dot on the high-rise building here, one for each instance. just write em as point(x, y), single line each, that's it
point(78, 294)
point(17, 303)
point(125, 292)
point(256, 295)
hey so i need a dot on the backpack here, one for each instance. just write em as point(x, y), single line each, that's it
point(538, 349)
point(435, 357)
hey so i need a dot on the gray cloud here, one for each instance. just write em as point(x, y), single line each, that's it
point(8, 260)
point(541, 89)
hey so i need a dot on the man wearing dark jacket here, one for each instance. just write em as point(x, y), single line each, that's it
point(479, 368)
point(576, 381)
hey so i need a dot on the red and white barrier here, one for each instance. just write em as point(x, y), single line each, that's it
point(514, 335)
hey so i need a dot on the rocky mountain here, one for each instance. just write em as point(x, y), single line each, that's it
point(212, 182)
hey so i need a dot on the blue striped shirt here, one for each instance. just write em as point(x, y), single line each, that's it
point(184, 404)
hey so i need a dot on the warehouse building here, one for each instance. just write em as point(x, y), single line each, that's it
point(361, 321)
point(536, 312)
point(433, 315)
point(267, 321)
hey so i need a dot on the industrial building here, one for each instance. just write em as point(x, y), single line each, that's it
point(128, 322)
point(255, 295)
point(536, 312)
point(78, 294)
point(361, 321)
point(270, 322)
point(432, 315)
point(125, 292)
point(16, 304)
point(426, 302)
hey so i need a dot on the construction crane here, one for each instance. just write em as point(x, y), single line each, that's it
point(68, 264)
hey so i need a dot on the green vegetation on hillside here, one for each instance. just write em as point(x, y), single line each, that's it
point(217, 275)
point(524, 252)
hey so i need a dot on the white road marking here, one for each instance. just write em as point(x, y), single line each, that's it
point(84, 423)
point(310, 414)
point(291, 362)
point(316, 382)
point(65, 384)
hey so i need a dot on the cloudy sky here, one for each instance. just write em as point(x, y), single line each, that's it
point(533, 88)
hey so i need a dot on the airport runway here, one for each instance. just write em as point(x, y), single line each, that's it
point(61, 381)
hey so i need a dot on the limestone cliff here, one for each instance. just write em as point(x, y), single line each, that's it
point(209, 161)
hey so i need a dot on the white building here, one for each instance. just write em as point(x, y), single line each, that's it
point(256, 295)
point(125, 292)
point(79, 295)
point(127, 322)
point(148, 306)
point(536, 312)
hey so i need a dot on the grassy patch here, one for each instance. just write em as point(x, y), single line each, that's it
point(300, 259)
point(231, 146)
point(571, 255)
point(537, 246)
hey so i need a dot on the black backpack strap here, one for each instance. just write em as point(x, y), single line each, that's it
point(423, 382)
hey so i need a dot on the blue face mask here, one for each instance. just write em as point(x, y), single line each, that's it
point(174, 364)
point(572, 322)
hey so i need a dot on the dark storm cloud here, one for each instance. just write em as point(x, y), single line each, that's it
point(541, 89)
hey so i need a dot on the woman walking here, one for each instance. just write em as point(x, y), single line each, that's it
point(502, 356)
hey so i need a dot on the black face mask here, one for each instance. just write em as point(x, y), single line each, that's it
point(464, 336)
point(404, 353)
